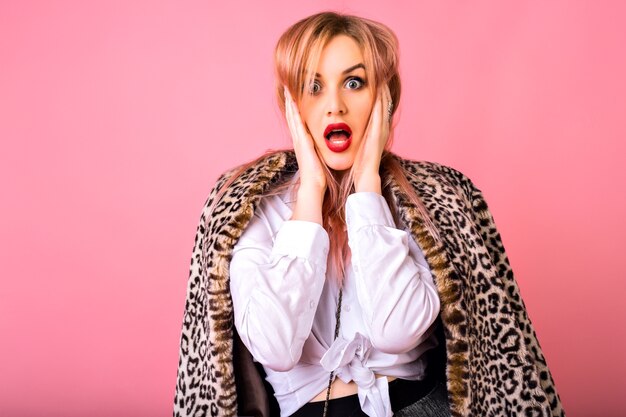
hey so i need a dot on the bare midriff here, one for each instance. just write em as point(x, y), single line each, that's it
point(341, 389)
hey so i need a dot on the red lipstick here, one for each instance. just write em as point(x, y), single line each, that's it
point(338, 137)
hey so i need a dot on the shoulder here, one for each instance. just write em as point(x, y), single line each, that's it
point(238, 190)
point(430, 172)
point(436, 183)
point(256, 176)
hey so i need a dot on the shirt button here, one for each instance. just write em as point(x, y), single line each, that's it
point(311, 304)
point(346, 308)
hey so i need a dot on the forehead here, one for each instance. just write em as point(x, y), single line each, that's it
point(340, 53)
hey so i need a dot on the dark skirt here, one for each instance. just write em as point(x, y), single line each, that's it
point(427, 398)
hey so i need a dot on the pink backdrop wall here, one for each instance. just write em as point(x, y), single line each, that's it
point(116, 117)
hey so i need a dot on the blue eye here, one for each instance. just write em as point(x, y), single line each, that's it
point(355, 83)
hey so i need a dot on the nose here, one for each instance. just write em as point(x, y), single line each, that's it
point(335, 104)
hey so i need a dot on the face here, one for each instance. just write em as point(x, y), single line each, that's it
point(337, 106)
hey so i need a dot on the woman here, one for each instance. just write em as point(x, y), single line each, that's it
point(358, 282)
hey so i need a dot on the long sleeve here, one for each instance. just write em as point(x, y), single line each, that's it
point(276, 283)
point(395, 289)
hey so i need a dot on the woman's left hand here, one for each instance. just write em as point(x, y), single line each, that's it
point(367, 161)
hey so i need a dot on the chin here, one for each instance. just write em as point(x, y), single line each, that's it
point(339, 164)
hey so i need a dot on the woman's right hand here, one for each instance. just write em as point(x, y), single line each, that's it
point(312, 176)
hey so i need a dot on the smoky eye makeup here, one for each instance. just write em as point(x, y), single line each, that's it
point(314, 87)
point(352, 82)
point(355, 80)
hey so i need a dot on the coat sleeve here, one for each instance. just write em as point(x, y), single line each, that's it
point(493, 241)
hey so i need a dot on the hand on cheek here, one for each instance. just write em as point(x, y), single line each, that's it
point(312, 175)
point(367, 161)
point(308, 205)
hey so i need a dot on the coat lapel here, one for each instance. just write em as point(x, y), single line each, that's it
point(446, 280)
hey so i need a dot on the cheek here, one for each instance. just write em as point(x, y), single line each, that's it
point(364, 111)
point(311, 120)
point(306, 121)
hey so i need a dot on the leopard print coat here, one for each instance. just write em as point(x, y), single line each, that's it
point(493, 362)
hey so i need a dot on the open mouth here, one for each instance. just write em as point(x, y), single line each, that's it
point(338, 137)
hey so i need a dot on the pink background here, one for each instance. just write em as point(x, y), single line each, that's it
point(116, 117)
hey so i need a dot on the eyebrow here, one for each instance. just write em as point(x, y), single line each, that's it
point(346, 71)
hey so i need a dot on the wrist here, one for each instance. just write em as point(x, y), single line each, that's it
point(368, 182)
point(308, 205)
point(311, 190)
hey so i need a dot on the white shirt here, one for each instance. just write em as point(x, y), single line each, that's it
point(285, 303)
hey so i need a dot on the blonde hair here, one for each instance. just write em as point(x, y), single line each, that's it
point(299, 49)
point(296, 56)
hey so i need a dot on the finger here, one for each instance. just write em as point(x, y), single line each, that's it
point(289, 114)
point(389, 104)
point(287, 99)
point(287, 94)
point(289, 110)
point(296, 138)
point(292, 115)
point(380, 131)
point(374, 119)
point(300, 136)
point(378, 115)
point(297, 119)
